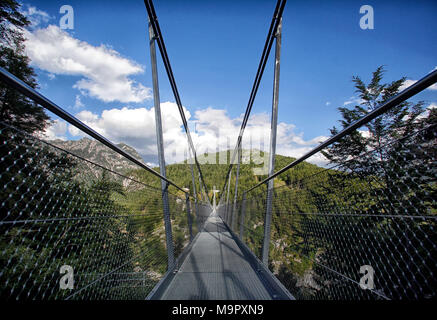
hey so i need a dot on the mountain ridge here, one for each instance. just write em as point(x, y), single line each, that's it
point(100, 154)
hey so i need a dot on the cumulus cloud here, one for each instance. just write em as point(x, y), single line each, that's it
point(104, 72)
point(354, 100)
point(408, 83)
point(217, 129)
point(136, 127)
point(213, 131)
point(78, 103)
point(56, 130)
point(35, 16)
point(427, 111)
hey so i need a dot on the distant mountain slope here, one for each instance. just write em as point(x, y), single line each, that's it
point(214, 174)
point(98, 153)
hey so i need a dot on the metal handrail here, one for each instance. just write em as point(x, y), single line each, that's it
point(407, 93)
point(31, 93)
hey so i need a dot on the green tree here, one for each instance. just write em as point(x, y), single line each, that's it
point(389, 170)
point(16, 109)
point(394, 153)
point(398, 122)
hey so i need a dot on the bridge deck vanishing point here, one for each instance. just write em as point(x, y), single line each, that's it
point(217, 268)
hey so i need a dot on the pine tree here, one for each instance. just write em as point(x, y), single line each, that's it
point(398, 122)
point(16, 109)
point(389, 151)
point(387, 170)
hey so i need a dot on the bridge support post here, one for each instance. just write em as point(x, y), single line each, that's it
point(227, 200)
point(268, 217)
point(196, 213)
point(243, 212)
point(200, 189)
point(234, 210)
point(189, 220)
point(160, 143)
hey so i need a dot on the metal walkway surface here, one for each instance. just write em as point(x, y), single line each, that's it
point(216, 268)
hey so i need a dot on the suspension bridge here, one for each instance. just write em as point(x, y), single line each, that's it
point(125, 237)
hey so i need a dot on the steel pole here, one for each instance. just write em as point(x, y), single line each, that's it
point(243, 213)
point(189, 220)
point(201, 190)
point(234, 210)
point(161, 159)
point(268, 217)
point(227, 198)
point(194, 190)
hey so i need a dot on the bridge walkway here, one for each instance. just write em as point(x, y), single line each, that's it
point(216, 268)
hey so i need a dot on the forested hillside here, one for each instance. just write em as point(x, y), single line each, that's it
point(215, 174)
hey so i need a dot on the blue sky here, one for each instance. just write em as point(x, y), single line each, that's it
point(215, 47)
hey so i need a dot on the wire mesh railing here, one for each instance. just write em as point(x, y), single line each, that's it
point(354, 231)
point(65, 215)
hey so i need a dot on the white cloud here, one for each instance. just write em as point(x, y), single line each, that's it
point(428, 109)
point(78, 103)
point(354, 100)
point(57, 130)
point(328, 103)
point(35, 16)
point(365, 133)
point(214, 131)
point(408, 83)
point(105, 74)
point(136, 127)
